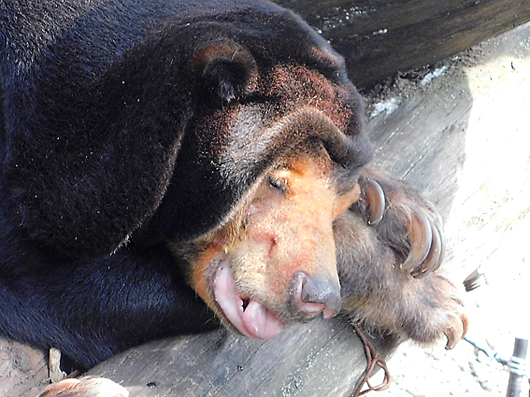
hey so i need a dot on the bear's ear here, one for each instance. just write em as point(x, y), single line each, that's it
point(226, 70)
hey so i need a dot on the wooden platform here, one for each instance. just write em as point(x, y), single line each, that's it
point(323, 357)
point(479, 109)
point(23, 370)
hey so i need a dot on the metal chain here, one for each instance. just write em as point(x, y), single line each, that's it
point(372, 361)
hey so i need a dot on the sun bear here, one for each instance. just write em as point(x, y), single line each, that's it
point(152, 146)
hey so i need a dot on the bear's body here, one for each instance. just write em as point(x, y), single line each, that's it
point(150, 146)
point(103, 162)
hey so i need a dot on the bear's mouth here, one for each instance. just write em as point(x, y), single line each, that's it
point(247, 315)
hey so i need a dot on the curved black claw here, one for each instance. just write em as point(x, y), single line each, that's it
point(426, 243)
point(374, 198)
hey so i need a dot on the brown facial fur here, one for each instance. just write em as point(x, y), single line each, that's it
point(309, 87)
point(278, 237)
point(285, 227)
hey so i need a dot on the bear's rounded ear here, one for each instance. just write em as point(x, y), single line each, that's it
point(226, 70)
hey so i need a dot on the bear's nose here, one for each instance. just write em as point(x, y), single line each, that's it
point(316, 294)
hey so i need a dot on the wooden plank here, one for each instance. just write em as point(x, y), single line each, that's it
point(487, 222)
point(23, 370)
point(323, 356)
point(380, 37)
point(423, 138)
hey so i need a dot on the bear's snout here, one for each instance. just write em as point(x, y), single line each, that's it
point(315, 294)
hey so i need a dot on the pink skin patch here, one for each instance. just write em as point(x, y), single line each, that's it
point(254, 320)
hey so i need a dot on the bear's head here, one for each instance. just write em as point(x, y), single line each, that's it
point(284, 144)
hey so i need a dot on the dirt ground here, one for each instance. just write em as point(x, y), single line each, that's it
point(487, 222)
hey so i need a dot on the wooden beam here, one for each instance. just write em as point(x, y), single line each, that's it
point(381, 37)
point(323, 356)
point(23, 370)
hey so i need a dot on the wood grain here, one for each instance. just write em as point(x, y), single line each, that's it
point(320, 357)
point(381, 37)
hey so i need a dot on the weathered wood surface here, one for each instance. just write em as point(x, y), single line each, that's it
point(487, 219)
point(22, 369)
point(322, 358)
point(380, 37)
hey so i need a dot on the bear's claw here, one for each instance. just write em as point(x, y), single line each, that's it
point(456, 329)
point(375, 201)
point(427, 244)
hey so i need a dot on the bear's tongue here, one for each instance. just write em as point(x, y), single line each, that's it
point(255, 320)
